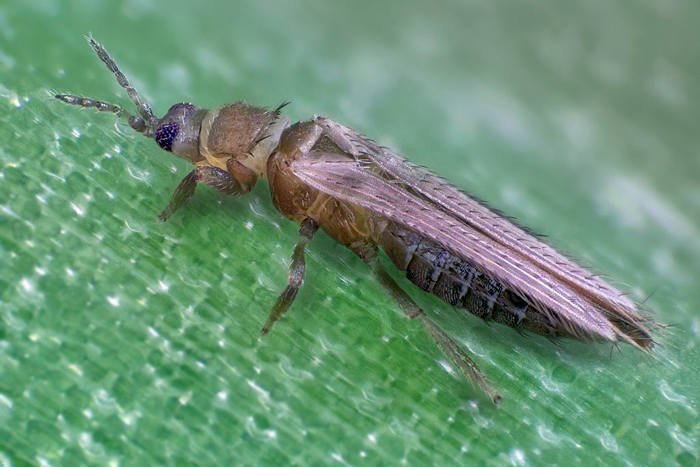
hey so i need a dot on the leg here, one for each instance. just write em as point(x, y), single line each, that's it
point(216, 178)
point(296, 276)
point(450, 347)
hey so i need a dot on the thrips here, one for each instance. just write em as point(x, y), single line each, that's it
point(325, 176)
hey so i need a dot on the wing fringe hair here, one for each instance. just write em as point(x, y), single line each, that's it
point(582, 303)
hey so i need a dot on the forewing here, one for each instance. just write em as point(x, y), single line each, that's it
point(349, 181)
point(498, 228)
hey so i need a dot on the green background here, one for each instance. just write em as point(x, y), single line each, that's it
point(128, 342)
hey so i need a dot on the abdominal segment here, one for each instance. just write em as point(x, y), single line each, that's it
point(451, 278)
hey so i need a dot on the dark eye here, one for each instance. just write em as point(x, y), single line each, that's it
point(166, 134)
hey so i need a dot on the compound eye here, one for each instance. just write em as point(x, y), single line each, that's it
point(166, 134)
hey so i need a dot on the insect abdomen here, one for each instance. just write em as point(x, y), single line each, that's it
point(453, 280)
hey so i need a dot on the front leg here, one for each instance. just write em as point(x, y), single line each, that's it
point(219, 179)
point(296, 275)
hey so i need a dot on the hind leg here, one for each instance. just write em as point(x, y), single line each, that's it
point(413, 311)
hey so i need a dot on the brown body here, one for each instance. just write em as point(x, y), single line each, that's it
point(326, 176)
point(429, 265)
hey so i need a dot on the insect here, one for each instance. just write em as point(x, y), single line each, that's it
point(325, 176)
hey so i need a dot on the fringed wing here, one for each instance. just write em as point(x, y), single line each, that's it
point(616, 306)
point(356, 182)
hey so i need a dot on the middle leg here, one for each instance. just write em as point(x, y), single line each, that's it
point(296, 276)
